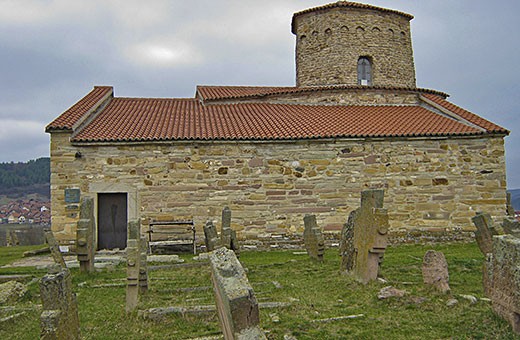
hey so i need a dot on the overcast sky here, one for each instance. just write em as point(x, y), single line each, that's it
point(52, 52)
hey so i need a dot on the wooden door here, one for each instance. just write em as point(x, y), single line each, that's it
point(112, 221)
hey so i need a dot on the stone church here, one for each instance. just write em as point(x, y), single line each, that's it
point(354, 120)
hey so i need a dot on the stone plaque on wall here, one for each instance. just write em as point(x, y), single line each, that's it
point(72, 195)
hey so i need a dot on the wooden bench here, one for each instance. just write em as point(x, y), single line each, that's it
point(172, 233)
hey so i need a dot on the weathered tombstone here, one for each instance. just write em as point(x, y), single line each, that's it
point(85, 235)
point(509, 205)
point(485, 231)
point(511, 226)
point(228, 236)
point(55, 248)
point(505, 279)
point(211, 238)
point(225, 233)
point(12, 239)
point(435, 271)
point(59, 319)
point(143, 267)
point(237, 306)
point(346, 247)
point(133, 257)
point(370, 237)
point(313, 238)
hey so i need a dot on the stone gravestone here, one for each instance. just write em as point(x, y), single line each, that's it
point(509, 205)
point(511, 226)
point(133, 259)
point(504, 267)
point(143, 267)
point(435, 271)
point(211, 238)
point(346, 246)
point(228, 237)
point(237, 306)
point(54, 248)
point(485, 231)
point(59, 319)
point(313, 238)
point(365, 237)
point(86, 230)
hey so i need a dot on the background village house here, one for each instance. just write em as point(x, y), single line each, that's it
point(354, 120)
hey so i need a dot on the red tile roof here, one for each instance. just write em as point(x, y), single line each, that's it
point(471, 117)
point(208, 93)
point(348, 4)
point(142, 119)
point(76, 112)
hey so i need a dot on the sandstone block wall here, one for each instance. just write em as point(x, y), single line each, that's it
point(434, 184)
point(330, 42)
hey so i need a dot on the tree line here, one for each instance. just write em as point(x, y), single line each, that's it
point(22, 174)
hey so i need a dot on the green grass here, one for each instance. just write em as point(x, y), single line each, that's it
point(315, 291)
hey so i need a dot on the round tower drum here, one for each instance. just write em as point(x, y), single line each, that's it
point(346, 43)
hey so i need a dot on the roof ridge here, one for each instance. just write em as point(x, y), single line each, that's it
point(302, 89)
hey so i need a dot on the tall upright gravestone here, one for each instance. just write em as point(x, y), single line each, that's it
point(86, 229)
point(365, 237)
point(313, 238)
point(133, 259)
point(228, 237)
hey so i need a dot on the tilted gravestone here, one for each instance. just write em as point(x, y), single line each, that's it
point(485, 231)
point(54, 248)
point(504, 268)
point(365, 237)
point(133, 259)
point(59, 319)
point(237, 306)
point(435, 271)
point(211, 238)
point(85, 231)
point(511, 226)
point(313, 238)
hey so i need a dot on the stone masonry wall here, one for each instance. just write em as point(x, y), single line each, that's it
point(329, 44)
point(431, 184)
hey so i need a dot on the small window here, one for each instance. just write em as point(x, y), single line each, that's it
point(364, 70)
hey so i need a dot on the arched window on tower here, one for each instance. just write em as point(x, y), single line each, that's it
point(364, 71)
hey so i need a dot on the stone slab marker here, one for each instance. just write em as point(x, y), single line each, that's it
point(485, 231)
point(346, 247)
point(511, 226)
point(143, 267)
point(59, 319)
point(505, 279)
point(228, 237)
point(55, 248)
point(435, 271)
point(85, 235)
point(133, 259)
point(237, 307)
point(211, 238)
point(370, 237)
point(313, 238)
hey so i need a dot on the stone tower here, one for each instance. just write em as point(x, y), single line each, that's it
point(347, 43)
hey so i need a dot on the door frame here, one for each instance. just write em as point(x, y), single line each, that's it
point(132, 210)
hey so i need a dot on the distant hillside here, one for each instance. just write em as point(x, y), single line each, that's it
point(515, 198)
point(21, 179)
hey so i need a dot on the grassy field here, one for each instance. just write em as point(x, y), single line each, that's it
point(315, 291)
